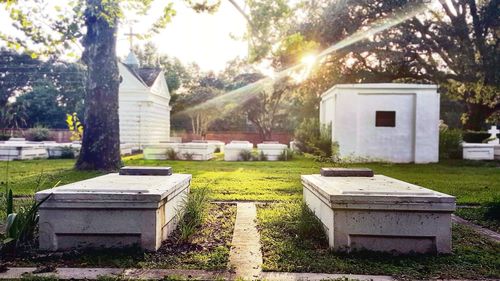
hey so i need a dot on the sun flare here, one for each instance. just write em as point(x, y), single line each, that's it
point(308, 60)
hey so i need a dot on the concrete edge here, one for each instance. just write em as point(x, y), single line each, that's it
point(133, 273)
point(289, 276)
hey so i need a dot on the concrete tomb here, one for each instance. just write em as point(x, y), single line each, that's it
point(233, 150)
point(183, 151)
point(380, 213)
point(195, 151)
point(134, 208)
point(20, 149)
point(478, 151)
point(390, 122)
point(158, 151)
point(272, 151)
point(58, 150)
point(218, 145)
point(483, 151)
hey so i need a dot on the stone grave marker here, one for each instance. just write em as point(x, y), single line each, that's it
point(139, 206)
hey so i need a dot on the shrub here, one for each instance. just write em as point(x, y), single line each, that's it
point(245, 155)
point(315, 139)
point(39, 134)
point(20, 227)
point(4, 136)
point(262, 156)
point(475, 137)
point(449, 144)
point(309, 224)
point(286, 154)
point(171, 154)
point(193, 215)
point(67, 152)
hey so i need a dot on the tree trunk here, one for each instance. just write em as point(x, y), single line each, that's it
point(101, 136)
point(478, 113)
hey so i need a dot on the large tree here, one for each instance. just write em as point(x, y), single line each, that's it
point(269, 109)
point(452, 43)
point(96, 22)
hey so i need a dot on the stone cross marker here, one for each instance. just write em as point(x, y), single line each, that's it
point(494, 132)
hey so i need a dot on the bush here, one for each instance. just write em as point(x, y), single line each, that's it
point(286, 154)
point(475, 137)
point(67, 153)
point(39, 134)
point(316, 139)
point(449, 144)
point(246, 155)
point(262, 156)
point(4, 136)
point(171, 154)
point(21, 227)
point(193, 214)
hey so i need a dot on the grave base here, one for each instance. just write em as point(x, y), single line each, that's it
point(360, 217)
point(112, 211)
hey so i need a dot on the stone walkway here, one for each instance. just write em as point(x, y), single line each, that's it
point(245, 256)
point(97, 273)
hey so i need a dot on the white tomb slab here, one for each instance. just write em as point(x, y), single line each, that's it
point(380, 213)
point(479, 151)
point(272, 150)
point(22, 150)
point(184, 151)
point(195, 151)
point(217, 145)
point(128, 148)
point(158, 151)
point(233, 150)
point(56, 150)
point(112, 211)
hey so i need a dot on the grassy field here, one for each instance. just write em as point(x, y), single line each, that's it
point(293, 241)
point(289, 242)
point(470, 182)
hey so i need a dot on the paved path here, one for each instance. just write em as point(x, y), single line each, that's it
point(495, 236)
point(245, 256)
point(97, 273)
point(288, 276)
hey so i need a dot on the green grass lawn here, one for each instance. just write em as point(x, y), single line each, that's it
point(285, 247)
point(470, 182)
point(293, 241)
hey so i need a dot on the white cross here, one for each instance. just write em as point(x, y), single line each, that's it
point(494, 131)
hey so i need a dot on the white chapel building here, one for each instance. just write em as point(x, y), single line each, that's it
point(144, 109)
point(390, 122)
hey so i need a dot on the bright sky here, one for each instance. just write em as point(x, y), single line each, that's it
point(192, 37)
point(195, 37)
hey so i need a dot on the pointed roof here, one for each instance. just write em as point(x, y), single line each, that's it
point(131, 60)
point(148, 74)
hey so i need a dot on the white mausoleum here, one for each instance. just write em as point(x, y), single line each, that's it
point(390, 122)
point(144, 108)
